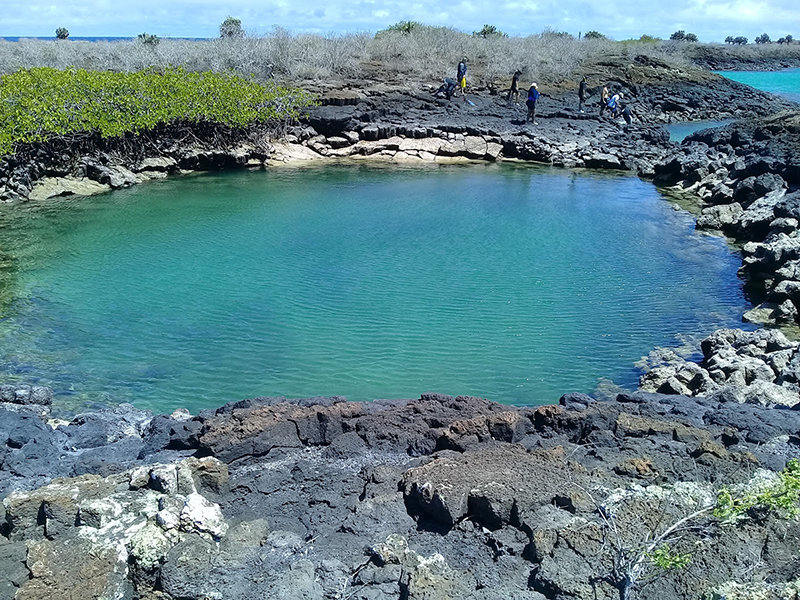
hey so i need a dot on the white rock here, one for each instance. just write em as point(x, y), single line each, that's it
point(203, 516)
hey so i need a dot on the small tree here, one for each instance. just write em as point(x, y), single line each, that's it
point(594, 35)
point(62, 33)
point(729, 39)
point(691, 37)
point(148, 39)
point(789, 39)
point(489, 31)
point(763, 39)
point(404, 27)
point(231, 28)
point(740, 40)
point(679, 35)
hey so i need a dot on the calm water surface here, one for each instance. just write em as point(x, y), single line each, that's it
point(513, 283)
point(784, 83)
point(679, 131)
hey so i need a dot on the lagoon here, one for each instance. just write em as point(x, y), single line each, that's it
point(784, 83)
point(512, 282)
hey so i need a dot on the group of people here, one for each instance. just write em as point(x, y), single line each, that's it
point(614, 103)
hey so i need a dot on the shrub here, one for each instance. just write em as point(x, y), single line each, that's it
point(648, 39)
point(148, 39)
point(740, 40)
point(62, 33)
point(404, 27)
point(489, 31)
point(678, 35)
point(594, 35)
point(763, 39)
point(231, 28)
point(729, 39)
point(40, 103)
point(691, 37)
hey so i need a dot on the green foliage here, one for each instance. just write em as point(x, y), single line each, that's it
point(148, 39)
point(664, 558)
point(781, 498)
point(404, 27)
point(649, 39)
point(231, 28)
point(763, 39)
point(740, 40)
point(62, 33)
point(489, 31)
point(40, 103)
point(682, 36)
point(594, 35)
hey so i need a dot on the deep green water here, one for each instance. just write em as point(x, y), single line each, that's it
point(784, 83)
point(514, 283)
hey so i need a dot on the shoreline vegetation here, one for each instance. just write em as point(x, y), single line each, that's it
point(397, 54)
point(41, 103)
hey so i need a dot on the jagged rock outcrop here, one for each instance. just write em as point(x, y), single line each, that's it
point(433, 498)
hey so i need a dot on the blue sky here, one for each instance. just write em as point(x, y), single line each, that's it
point(711, 20)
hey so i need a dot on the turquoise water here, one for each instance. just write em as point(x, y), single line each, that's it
point(679, 131)
point(784, 83)
point(514, 283)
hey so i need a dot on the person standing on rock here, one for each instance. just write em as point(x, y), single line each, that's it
point(603, 99)
point(513, 93)
point(582, 93)
point(462, 75)
point(533, 96)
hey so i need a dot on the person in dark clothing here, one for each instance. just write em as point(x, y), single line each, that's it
point(625, 111)
point(533, 96)
point(582, 93)
point(448, 88)
point(462, 75)
point(513, 93)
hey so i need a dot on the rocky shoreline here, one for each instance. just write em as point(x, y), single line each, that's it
point(438, 497)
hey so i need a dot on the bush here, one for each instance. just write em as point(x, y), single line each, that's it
point(404, 27)
point(148, 39)
point(682, 36)
point(62, 33)
point(231, 28)
point(594, 35)
point(489, 31)
point(740, 40)
point(762, 39)
point(40, 103)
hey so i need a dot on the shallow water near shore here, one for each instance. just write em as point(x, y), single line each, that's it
point(784, 83)
point(515, 283)
point(680, 131)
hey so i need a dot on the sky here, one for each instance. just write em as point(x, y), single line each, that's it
point(710, 20)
